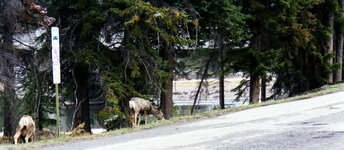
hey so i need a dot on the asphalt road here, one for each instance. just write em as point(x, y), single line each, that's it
point(314, 124)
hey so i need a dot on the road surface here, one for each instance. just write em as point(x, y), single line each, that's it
point(311, 124)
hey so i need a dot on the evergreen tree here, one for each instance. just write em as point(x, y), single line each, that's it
point(330, 6)
point(221, 29)
point(80, 23)
point(339, 41)
point(287, 42)
point(303, 62)
point(16, 17)
point(256, 59)
point(9, 9)
point(129, 48)
point(150, 35)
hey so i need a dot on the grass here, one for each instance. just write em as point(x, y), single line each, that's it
point(180, 119)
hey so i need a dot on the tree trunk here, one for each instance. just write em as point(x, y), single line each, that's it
point(254, 89)
point(222, 78)
point(8, 78)
point(222, 91)
point(254, 78)
point(263, 90)
point(166, 99)
point(82, 111)
point(307, 74)
point(38, 98)
point(9, 112)
point(39, 111)
point(40, 117)
point(330, 25)
point(339, 47)
point(204, 76)
point(128, 118)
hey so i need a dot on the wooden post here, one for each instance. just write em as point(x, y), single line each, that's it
point(57, 111)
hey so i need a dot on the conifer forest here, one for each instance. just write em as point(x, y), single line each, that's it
point(115, 50)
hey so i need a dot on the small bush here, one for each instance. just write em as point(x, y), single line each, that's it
point(113, 123)
point(78, 130)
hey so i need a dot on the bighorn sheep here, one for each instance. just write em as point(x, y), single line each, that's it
point(138, 106)
point(26, 128)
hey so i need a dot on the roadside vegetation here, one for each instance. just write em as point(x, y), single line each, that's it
point(78, 135)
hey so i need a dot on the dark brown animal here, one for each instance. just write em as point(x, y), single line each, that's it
point(138, 106)
point(26, 128)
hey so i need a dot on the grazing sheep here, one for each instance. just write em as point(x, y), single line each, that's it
point(26, 128)
point(138, 105)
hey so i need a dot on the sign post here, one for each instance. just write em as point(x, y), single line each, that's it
point(55, 53)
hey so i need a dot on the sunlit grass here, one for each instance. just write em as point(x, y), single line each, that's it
point(178, 119)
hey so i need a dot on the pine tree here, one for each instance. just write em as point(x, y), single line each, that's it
point(221, 25)
point(339, 41)
point(80, 25)
point(150, 35)
point(303, 61)
point(16, 17)
point(286, 42)
point(330, 12)
point(255, 60)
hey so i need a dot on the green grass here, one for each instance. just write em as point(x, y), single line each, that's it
point(181, 119)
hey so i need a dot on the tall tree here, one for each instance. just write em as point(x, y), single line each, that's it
point(168, 49)
point(283, 42)
point(256, 59)
point(330, 9)
point(82, 111)
point(80, 25)
point(221, 26)
point(150, 35)
point(16, 17)
point(10, 18)
point(339, 42)
point(166, 99)
point(303, 61)
point(34, 81)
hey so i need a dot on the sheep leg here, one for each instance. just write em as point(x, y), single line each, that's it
point(140, 117)
point(146, 117)
point(27, 137)
point(31, 138)
point(16, 136)
point(135, 120)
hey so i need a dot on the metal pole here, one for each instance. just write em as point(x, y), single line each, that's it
point(57, 110)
